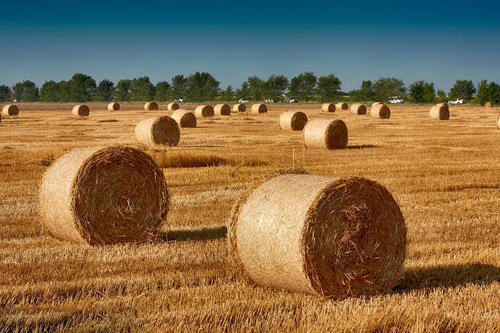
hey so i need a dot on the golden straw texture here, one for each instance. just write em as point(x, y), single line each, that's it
point(157, 132)
point(81, 110)
point(239, 107)
point(172, 106)
point(375, 103)
point(440, 111)
point(381, 111)
point(487, 104)
point(149, 106)
point(104, 196)
point(203, 111)
point(113, 106)
point(325, 133)
point(359, 109)
point(328, 107)
point(498, 121)
point(319, 235)
point(259, 108)
point(293, 120)
point(10, 110)
point(184, 118)
point(222, 110)
point(342, 106)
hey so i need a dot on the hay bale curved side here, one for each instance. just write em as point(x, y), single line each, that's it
point(157, 132)
point(114, 106)
point(299, 233)
point(328, 107)
point(498, 121)
point(10, 110)
point(222, 110)
point(81, 110)
point(259, 108)
point(325, 133)
point(381, 111)
point(293, 120)
point(375, 103)
point(203, 111)
point(440, 111)
point(184, 118)
point(358, 109)
point(172, 106)
point(342, 106)
point(150, 106)
point(104, 196)
point(239, 107)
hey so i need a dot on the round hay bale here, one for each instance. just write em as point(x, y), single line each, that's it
point(294, 120)
point(222, 110)
point(81, 110)
point(10, 110)
point(203, 111)
point(319, 235)
point(328, 107)
point(498, 121)
point(259, 108)
point(487, 104)
point(325, 133)
point(113, 106)
point(157, 132)
point(150, 106)
point(342, 106)
point(359, 109)
point(104, 196)
point(375, 103)
point(440, 111)
point(239, 107)
point(184, 118)
point(381, 111)
point(172, 106)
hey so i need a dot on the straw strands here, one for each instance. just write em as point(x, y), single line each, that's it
point(81, 110)
point(172, 106)
point(342, 106)
point(358, 109)
point(325, 133)
point(203, 111)
point(222, 110)
point(184, 118)
point(157, 132)
point(440, 111)
point(380, 110)
point(294, 120)
point(239, 107)
point(150, 106)
point(10, 110)
point(259, 108)
point(328, 107)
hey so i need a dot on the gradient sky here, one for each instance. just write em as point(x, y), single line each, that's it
point(438, 41)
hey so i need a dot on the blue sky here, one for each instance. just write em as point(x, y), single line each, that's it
point(438, 41)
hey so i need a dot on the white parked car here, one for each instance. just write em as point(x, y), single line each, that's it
point(269, 101)
point(179, 100)
point(457, 101)
point(293, 100)
point(241, 100)
point(396, 100)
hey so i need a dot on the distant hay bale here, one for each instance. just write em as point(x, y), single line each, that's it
point(328, 107)
point(81, 110)
point(150, 106)
point(487, 104)
point(172, 106)
point(113, 106)
point(342, 106)
point(359, 109)
point(184, 118)
point(440, 111)
point(375, 103)
point(222, 110)
point(203, 111)
point(10, 110)
point(104, 196)
point(239, 107)
point(319, 235)
point(498, 121)
point(294, 120)
point(259, 108)
point(381, 111)
point(157, 132)
point(325, 133)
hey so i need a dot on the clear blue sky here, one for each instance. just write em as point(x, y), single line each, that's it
point(438, 41)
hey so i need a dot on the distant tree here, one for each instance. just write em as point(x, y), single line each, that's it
point(255, 86)
point(162, 91)
point(227, 94)
point(365, 93)
point(63, 89)
point(141, 89)
point(441, 96)
point(123, 90)
point(328, 87)
point(26, 91)
point(303, 86)
point(422, 92)
point(494, 93)
point(105, 91)
point(202, 87)
point(274, 86)
point(462, 89)
point(244, 91)
point(482, 92)
point(82, 88)
point(178, 86)
point(48, 92)
point(384, 88)
point(4, 93)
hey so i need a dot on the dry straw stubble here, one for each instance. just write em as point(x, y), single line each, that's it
point(114, 106)
point(380, 110)
point(259, 108)
point(10, 110)
point(150, 106)
point(172, 106)
point(239, 107)
point(342, 106)
point(319, 235)
point(328, 107)
point(293, 120)
point(358, 109)
point(203, 111)
point(440, 111)
point(222, 110)
point(81, 110)
point(498, 121)
point(325, 133)
point(157, 132)
point(184, 118)
point(104, 196)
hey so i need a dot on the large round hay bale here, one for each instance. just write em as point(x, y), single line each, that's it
point(184, 118)
point(381, 111)
point(239, 107)
point(113, 106)
point(294, 120)
point(440, 111)
point(328, 107)
point(319, 235)
point(81, 110)
point(498, 121)
point(325, 133)
point(104, 196)
point(342, 106)
point(150, 106)
point(157, 132)
point(358, 109)
point(10, 110)
point(222, 110)
point(172, 106)
point(259, 108)
point(203, 111)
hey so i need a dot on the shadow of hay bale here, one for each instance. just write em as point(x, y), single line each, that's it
point(360, 146)
point(189, 234)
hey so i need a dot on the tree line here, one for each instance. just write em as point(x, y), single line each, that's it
point(202, 86)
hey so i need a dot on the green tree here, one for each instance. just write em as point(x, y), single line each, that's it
point(255, 86)
point(141, 89)
point(386, 87)
point(202, 87)
point(123, 90)
point(328, 87)
point(441, 96)
point(26, 91)
point(303, 86)
point(227, 94)
point(365, 93)
point(105, 91)
point(462, 89)
point(244, 91)
point(493, 93)
point(422, 92)
point(81, 88)
point(63, 89)
point(178, 86)
point(274, 86)
point(4, 93)
point(48, 92)
point(482, 92)
point(162, 91)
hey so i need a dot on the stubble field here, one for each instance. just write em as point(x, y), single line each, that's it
point(444, 174)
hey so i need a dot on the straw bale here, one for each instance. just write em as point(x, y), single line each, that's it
point(222, 110)
point(325, 133)
point(157, 132)
point(294, 120)
point(440, 111)
point(184, 118)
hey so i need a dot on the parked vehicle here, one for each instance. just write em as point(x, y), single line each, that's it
point(269, 101)
point(179, 100)
point(457, 101)
point(396, 100)
point(293, 100)
point(241, 100)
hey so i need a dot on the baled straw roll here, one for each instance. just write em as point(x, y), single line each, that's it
point(172, 106)
point(294, 120)
point(239, 107)
point(157, 132)
point(104, 196)
point(381, 111)
point(222, 110)
point(81, 110)
point(328, 107)
point(150, 106)
point(319, 235)
point(184, 118)
point(375, 103)
point(440, 111)
point(113, 106)
point(325, 133)
point(498, 121)
point(259, 108)
point(203, 111)
point(342, 106)
point(358, 109)
point(10, 110)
